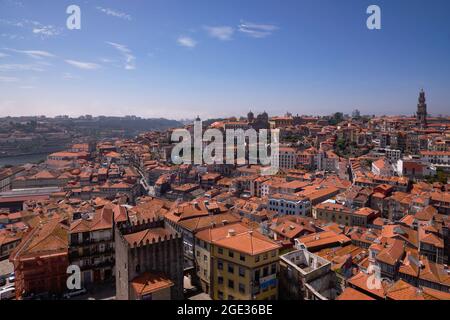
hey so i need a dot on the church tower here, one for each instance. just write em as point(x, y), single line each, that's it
point(250, 117)
point(422, 110)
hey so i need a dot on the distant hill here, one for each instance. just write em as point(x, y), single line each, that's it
point(129, 125)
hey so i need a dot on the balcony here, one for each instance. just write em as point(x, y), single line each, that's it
point(90, 253)
point(104, 264)
point(87, 242)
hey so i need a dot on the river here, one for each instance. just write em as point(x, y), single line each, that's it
point(19, 160)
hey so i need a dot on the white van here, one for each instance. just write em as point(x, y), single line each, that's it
point(8, 293)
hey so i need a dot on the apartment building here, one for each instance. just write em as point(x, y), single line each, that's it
point(340, 214)
point(7, 175)
point(289, 204)
point(287, 158)
point(437, 158)
point(91, 246)
point(306, 276)
point(8, 241)
point(243, 263)
point(41, 260)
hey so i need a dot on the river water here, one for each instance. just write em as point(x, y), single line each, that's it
point(19, 160)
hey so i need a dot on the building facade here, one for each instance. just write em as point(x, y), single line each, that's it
point(148, 247)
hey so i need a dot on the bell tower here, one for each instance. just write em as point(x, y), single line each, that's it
point(422, 110)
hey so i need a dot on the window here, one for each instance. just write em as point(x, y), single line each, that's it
point(220, 280)
point(265, 271)
point(230, 268)
point(220, 295)
point(230, 254)
point(220, 250)
point(257, 275)
point(219, 264)
point(205, 258)
point(241, 272)
point(231, 284)
point(257, 259)
point(266, 256)
point(273, 254)
point(242, 257)
point(273, 268)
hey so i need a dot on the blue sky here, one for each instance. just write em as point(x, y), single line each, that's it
point(180, 58)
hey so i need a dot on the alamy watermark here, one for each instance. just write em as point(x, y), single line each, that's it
point(73, 22)
point(374, 280)
point(238, 147)
point(74, 279)
point(374, 20)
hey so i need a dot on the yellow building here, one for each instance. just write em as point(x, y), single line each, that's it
point(243, 263)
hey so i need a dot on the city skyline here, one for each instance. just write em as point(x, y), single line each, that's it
point(177, 60)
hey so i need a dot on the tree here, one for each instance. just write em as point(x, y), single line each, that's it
point(336, 118)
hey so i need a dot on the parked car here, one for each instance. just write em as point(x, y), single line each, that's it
point(74, 293)
point(8, 293)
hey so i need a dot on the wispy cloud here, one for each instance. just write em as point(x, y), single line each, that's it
point(220, 32)
point(115, 13)
point(8, 79)
point(3, 55)
point(20, 67)
point(36, 27)
point(187, 42)
point(257, 30)
point(46, 31)
point(83, 65)
point(35, 54)
point(130, 59)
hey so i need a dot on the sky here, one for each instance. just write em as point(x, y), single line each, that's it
point(217, 58)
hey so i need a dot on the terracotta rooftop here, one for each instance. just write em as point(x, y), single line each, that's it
point(240, 238)
point(49, 238)
point(148, 283)
point(361, 280)
point(353, 295)
point(325, 238)
point(141, 237)
point(101, 220)
point(402, 290)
